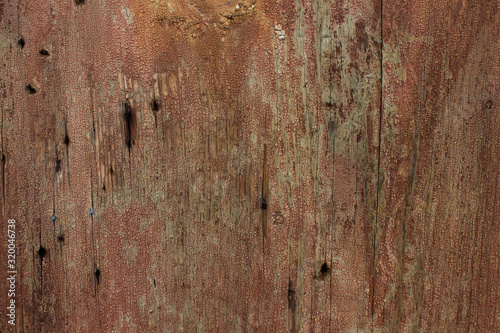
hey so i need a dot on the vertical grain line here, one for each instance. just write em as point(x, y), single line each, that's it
point(375, 229)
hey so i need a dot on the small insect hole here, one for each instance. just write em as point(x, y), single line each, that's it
point(263, 205)
point(60, 238)
point(154, 282)
point(30, 89)
point(41, 252)
point(291, 293)
point(324, 271)
point(79, 2)
point(291, 296)
point(66, 140)
point(21, 42)
point(128, 118)
point(155, 106)
point(44, 52)
point(127, 111)
point(58, 166)
point(97, 275)
point(489, 105)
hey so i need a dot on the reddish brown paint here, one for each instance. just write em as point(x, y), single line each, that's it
point(381, 126)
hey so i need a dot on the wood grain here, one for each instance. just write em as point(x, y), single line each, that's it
point(140, 140)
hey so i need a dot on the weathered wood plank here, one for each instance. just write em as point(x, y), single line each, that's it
point(268, 166)
point(437, 254)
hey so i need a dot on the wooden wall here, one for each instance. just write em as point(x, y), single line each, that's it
point(267, 166)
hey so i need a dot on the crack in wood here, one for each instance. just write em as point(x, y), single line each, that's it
point(265, 196)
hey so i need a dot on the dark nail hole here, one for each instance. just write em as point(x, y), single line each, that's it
point(127, 111)
point(155, 106)
point(291, 296)
point(21, 42)
point(103, 187)
point(489, 104)
point(66, 140)
point(58, 166)
point(44, 52)
point(3, 157)
point(324, 271)
point(97, 275)
point(42, 252)
point(128, 118)
point(79, 2)
point(111, 170)
point(263, 205)
point(31, 89)
point(60, 238)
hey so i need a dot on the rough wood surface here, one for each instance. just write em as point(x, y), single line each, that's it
point(261, 166)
